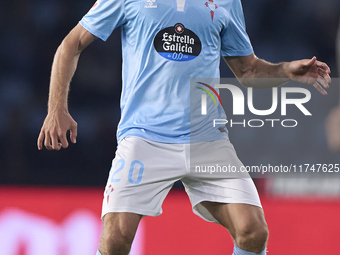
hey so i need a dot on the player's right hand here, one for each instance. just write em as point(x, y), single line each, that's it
point(54, 129)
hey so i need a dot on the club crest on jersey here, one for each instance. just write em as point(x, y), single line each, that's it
point(177, 43)
point(212, 6)
point(108, 192)
point(150, 4)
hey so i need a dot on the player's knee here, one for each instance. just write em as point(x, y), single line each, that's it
point(252, 235)
point(116, 238)
point(117, 242)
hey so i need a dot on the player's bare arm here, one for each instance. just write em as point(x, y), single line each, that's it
point(310, 71)
point(58, 120)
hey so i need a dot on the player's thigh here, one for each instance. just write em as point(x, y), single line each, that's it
point(119, 227)
point(238, 218)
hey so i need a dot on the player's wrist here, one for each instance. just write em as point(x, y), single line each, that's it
point(57, 109)
point(285, 67)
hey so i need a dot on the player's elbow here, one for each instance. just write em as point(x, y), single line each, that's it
point(77, 40)
point(244, 82)
point(246, 71)
point(69, 46)
point(246, 78)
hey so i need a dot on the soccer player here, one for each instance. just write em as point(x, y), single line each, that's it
point(164, 44)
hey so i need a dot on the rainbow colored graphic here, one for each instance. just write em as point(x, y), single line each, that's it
point(209, 93)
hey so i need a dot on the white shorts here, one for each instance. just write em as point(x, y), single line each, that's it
point(143, 173)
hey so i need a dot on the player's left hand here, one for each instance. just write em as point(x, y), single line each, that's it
point(310, 71)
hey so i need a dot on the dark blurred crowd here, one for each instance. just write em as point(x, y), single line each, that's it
point(31, 30)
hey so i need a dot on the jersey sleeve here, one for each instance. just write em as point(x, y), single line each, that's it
point(234, 38)
point(104, 17)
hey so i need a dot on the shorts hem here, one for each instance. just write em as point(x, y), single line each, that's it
point(133, 210)
point(224, 201)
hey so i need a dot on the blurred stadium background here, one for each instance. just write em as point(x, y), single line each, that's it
point(50, 202)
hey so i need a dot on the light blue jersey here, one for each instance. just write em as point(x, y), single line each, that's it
point(164, 44)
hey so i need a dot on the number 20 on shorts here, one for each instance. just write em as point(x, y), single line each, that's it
point(135, 165)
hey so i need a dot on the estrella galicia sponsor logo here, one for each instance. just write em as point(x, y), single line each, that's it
point(177, 43)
